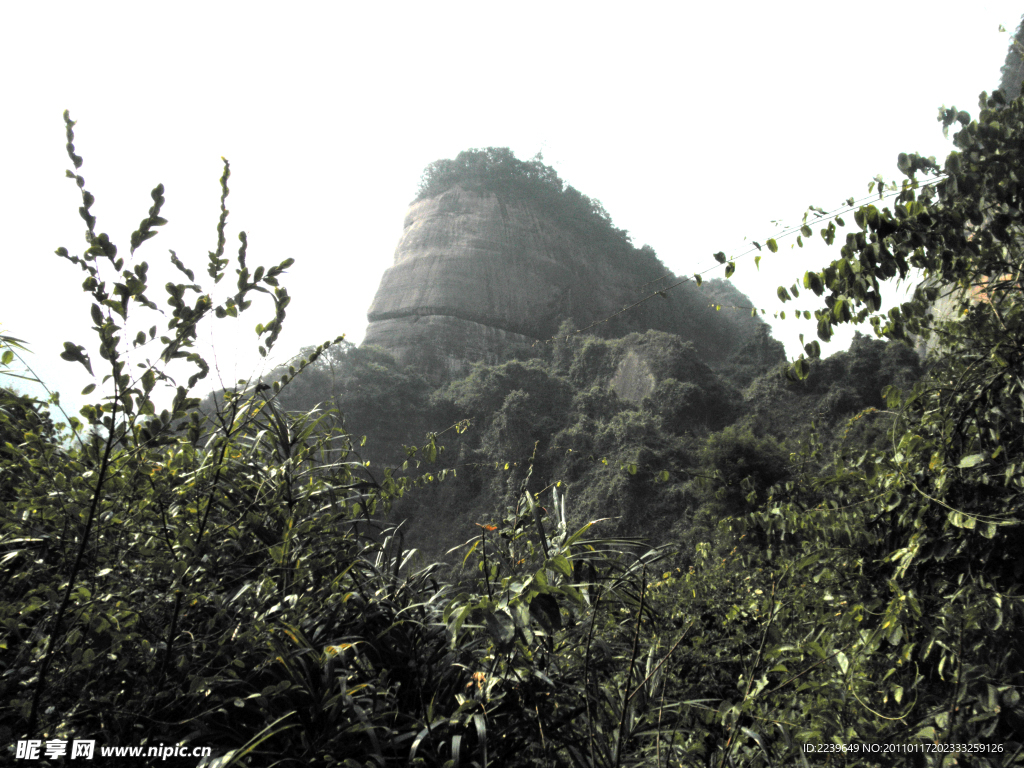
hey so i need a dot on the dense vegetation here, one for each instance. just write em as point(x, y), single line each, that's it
point(498, 169)
point(621, 424)
point(839, 547)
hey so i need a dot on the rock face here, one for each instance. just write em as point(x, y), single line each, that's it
point(478, 270)
point(441, 345)
point(633, 379)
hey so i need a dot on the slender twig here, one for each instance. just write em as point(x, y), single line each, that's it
point(632, 663)
point(660, 663)
point(955, 693)
point(586, 676)
point(55, 633)
point(750, 675)
point(171, 633)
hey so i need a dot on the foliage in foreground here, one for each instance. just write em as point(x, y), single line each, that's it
point(227, 584)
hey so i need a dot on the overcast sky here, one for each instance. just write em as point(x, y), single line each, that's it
point(695, 128)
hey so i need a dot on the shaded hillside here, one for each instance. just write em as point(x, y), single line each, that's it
point(638, 451)
point(362, 390)
point(638, 429)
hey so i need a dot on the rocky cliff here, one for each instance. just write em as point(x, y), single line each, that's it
point(482, 267)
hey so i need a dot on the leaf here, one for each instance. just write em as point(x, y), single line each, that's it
point(801, 369)
point(720, 257)
point(470, 551)
point(839, 309)
point(971, 461)
point(892, 396)
point(809, 560)
point(544, 609)
point(755, 737)
point(842, 661)
point(730, 268)
point(73, 353)
point(960, 520)
point(812, 281)
point(772, 245)
point(454, 625)
point(88, 390)
point(480, 722)
point(501, 627)
point(561, 564)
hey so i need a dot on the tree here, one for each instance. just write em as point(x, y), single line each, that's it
point(170, 581)
point(118, 549)
point(922, 621)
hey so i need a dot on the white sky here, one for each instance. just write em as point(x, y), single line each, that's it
point(695, 128)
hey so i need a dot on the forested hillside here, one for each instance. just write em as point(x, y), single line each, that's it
point(660, 562)
point(624, 425)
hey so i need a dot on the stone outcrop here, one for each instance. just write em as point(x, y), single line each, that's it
point(633, 380)
point(442, 345)
point(478, 270)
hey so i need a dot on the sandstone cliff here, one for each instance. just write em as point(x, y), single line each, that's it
point(479, 269)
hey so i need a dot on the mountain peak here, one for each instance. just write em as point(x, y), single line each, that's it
point(498, 252)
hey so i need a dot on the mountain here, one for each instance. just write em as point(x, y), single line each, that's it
point(499, 253)
point(472, 360)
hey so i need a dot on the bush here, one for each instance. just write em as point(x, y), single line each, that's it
point(174, 580)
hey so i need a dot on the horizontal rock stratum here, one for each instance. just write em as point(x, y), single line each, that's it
point(477, 270)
